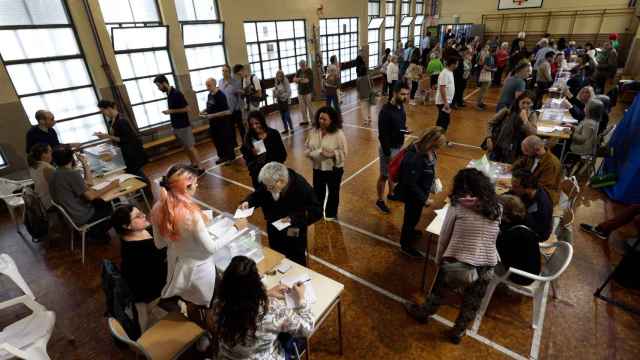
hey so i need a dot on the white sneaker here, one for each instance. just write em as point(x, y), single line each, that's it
point(412, 102)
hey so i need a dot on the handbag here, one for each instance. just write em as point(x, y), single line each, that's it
point(458, 274)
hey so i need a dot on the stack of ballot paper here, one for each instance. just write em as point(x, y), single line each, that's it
point(309, 291)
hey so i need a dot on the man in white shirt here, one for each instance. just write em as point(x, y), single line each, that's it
point(425, 43)
point(252, 90)
point(444, 93)
point(393, 74)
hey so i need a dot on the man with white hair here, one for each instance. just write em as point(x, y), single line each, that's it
point(543, 49)
point(220, 122)
point(542, 164)
point(287, 199)
point(304, 79)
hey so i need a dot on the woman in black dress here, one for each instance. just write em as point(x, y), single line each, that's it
point(144, 267)
point(261, 146)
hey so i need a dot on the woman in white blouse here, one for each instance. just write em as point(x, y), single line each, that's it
point(180, 225)
point(326, 146)
point(250, 319)
point(40, 169)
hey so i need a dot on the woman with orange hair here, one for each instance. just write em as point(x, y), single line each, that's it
point(179, 225)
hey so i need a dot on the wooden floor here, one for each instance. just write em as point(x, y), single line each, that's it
point(362, 253)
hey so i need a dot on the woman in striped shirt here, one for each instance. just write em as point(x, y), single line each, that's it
point(466, 250)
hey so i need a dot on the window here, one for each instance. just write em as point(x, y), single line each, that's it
point(142, 54)
point(390, 25)
point(419, 7)
point(124, 13)
point(405, 8)
point(373, 9)
point(433, 8)
point(405, 25)
point(203, 38)
point(3, 160)
point(417, 30)
point(47, 68)
point(339, 37)
point(273, 45)
point(374, 41)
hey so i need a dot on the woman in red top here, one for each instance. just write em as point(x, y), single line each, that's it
point(502, 59)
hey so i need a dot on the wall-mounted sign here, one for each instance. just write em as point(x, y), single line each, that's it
point(518, 4)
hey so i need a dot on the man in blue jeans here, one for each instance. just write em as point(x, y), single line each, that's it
point(392, 127)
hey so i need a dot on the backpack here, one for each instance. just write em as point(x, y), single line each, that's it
point(35, 215)
point(394, 165)
point(119, 299)
point(252, 97)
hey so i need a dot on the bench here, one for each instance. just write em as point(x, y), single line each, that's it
point(170, 139)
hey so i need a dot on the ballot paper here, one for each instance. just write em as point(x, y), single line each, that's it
point(281, 224)
point(259, 146)
point(549, 129)
point(103, 184)
point(222, 227)
point(309, 292)
point(242, 214)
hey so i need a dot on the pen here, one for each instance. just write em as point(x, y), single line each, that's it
point(302, 282)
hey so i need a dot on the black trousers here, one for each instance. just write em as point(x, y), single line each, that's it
point(412, 213)
point(224, 137)
point(236, 117)
point(414, 89)
point(328, 179)
point(294, 247)
point(541, 89)
point(102, 210)
point(444, 118)
point(458, 96)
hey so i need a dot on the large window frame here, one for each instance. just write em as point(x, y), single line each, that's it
point(373, 9)
point(340, 43)
point(419, 7)
point(135, 22)
point(390, 25)
point(84, 119)
point(405, 26)
point(145, 99)
point(405, 8)
point(418, 23)
point(373, 38)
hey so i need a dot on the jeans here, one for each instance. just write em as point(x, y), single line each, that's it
point(223, 135)
point(239, 122)
point(392, 85)
point(483, 86)
point(412, 213)
point(444, 118)
point(331, 179)
point(385, 85)
point(458, 97)
point(332, 100)
point(306, 107)
point(286, 120)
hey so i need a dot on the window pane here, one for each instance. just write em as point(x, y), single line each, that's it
point(285, 29)
point(266, 31)
point(250, 32)
point(270, 68)
point(354, 25)
point(299, 28)
point(202, 34)
point(189, 10)
point(390, 7)
point(81, 129)
point(63, 104)
point(289, 65)
point(333, 26)
point(375, 23)
point(390, 21)
point(150, 114)
point(144, 89)
point(419, 20)
point(47, 76)
point(202, 98)
point(323, 27)
point(139, 38)
point(301, 47)
point(198, 77)
point(205, 56)
point(32, 12)
point(406, 21)
point(145, 63)
point(344, 25)
point(287, 48)
point(253, 51)
point(144, 10)
point(268, 51)
point(37, 43)
point(114, 11)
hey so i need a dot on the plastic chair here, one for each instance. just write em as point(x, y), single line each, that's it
point(27, 338)
point(538, 290)
point(13, 198)
point(82, 229)
point(167, 339)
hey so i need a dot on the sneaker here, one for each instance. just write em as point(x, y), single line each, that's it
point(383, 207)
point(201, 171)
point(412, 102)
point(413, 253)
point(304, 123)
point(417, 312)
point(593, 230)
point(285, 132)
point(449, 143)
point(394, 197)
point(456, 335)
point(481, 107)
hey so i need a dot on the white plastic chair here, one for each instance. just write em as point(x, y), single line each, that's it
point(538, 290)
point(82, 229)
point(27, 338)
point(13, 200)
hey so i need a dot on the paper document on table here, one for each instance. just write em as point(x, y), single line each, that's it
point(552, 115)
point(242, 214)
point(549, 129)
point(309, 292)
point(260, 147)
point(222, 227)
point(101, 185)
point(281, 224)
point(124, 177)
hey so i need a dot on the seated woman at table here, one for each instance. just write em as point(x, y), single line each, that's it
point(40, 170)
point(581, 74)
point(585, 134)
point(509, 127)
point(180, 225)
point(466, 250)
point(143, 267)
point(68, 189)
point(250, 318)
point(262, 145)
point(576, 104)
point(517, 244)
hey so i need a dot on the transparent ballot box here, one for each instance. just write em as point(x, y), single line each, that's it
point(244, 242)
point(104, 159)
